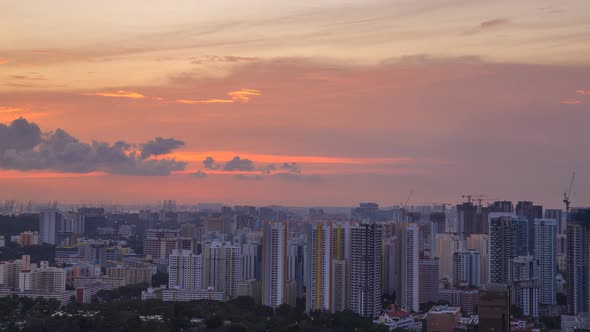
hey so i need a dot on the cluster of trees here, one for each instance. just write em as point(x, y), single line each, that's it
point(122, 311)
point(45, 252)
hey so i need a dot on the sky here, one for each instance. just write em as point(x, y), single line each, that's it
point(295, 102)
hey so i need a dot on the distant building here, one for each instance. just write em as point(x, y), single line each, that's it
point(480, 243)
point(274, 276)
point(184, 295)
point(494, 308)
point(445, 246)
point(578, 261)
point(429, 279)
point(184, 270)
point(524, 271)
point(28, 238)
point(545, 253)
point(365, 269)
point(467, 267)
point(319, 266)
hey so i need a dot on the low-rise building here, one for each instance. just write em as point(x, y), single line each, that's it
point(395, 319)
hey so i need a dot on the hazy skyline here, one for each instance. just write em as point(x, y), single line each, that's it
point(302, 103)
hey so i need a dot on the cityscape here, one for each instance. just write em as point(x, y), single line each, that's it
point(473, 266)
point(310, 165)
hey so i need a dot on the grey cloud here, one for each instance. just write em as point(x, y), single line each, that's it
point(210, 163)
point(23, 147)
point(199, 174)
point(20, 135)
point(489, 24)
point(239, 164)
point(159, 146)
point(268, 169)
point(291, 167)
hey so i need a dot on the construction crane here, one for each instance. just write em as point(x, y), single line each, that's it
point(567, 196)
point(408, 199)
point(473, 197)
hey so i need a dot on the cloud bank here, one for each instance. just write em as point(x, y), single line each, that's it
point(24, 147)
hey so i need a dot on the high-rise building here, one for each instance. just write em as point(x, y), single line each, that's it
point(251, 261)
point(559, 216)
point(48, 279)
point(524, 291)
point(481, 244)
point(409, 260)
point(274, 276)
point(503, 241)
point(545, 253)
point(467, 268)
point(471, 219)
point(185, 270)
point(445, 246)
point(494, 308)
point(365, 269)
point(296, 268)
point(388, 266)
point(48, 223)
point(530, 212)
point(340, 266)
point(159, 243)
point(319, 266)
point(578, 261)
point(428, 271)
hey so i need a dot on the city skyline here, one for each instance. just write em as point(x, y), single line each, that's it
point(270, 104)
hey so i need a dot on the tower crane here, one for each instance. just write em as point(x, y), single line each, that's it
point(567, 196)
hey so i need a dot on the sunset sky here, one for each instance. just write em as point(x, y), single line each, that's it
point(329, 102)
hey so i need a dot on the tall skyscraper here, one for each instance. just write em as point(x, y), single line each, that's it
point(467, 267)
point(409, 293)
point(296, 261)
point(365, 269)
point(503, 240)
point(274, 276)
point(546, 253)
point(524, 276)
point(319, 266)
point(388, 266)
point(428, 271)
point(251, 261)
point(578, 264)
point(559, 216)
point(530, 212)
point(481, 244)
point(184, 270)
point(340, 266)
point(48, 224)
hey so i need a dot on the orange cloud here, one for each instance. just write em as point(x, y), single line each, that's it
point(120, 94)
point(3, 61)
point(570, 102)
point(242, 96)
point(206, 101)
point(582, 92)
point(11, 109)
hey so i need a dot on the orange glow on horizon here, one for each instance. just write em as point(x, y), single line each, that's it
point(120, 94)
point(221, 156)
point(42, 174)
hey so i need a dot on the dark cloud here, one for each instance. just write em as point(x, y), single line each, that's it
point(239, 164)
point(199, 174)
point(28, 77)
point(159, 146)
point(291, 167)
point(24, 147)
point(268, 169)
point(20, 135)
point(250, 177)
point(210, 163)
